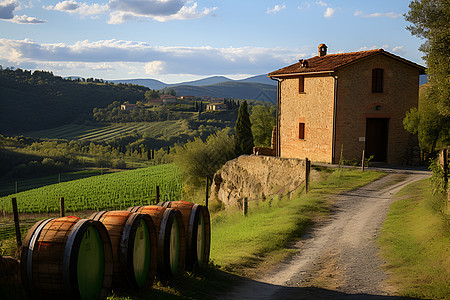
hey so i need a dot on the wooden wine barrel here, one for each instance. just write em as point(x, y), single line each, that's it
point(171, 239)
point(198, 232)
point(67, 258)
point(134, 246)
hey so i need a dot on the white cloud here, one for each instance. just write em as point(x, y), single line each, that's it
point(143, 58)
point(7, 8)
point(80, 8)
point(321, 3)
point(140, 10)
point(24, 19)
point(155, 68)
point(277, 8)
point(329, 12)
point(393, 15)
point(305, 5)
point(187, 13)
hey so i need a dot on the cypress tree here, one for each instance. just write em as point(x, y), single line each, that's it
point(243, 137)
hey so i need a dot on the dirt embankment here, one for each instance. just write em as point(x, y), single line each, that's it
point(253, 176)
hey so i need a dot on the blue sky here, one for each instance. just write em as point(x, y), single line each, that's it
point(179, 40)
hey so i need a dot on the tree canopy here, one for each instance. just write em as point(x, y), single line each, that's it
point(431, 21)
point(263, 120)
point(199, 159)
point(243, 137)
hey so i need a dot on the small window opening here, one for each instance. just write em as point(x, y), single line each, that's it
point(301, 84)
point(301, 131)
point(377, 80)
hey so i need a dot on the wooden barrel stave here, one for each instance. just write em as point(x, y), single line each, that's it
point(122, 227)
point(192, 213)
point(164, 218)
point(43, 259)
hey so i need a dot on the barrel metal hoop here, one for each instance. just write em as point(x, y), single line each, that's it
point(97, 215)
point(70, 259)
point(134, 209)
point(126, 246)
point(192, 231)
point(164, 239)
point(30, 250)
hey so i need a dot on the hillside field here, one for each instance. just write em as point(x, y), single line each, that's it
point(110, 191)
point(110, 131)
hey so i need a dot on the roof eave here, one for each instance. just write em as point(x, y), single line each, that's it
point(300, 73)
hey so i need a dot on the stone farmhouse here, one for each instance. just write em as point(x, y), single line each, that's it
point(346, 103)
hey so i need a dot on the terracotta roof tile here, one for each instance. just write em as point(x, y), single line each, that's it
point(331, 62)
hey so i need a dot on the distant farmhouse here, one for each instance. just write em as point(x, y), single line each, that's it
point(217, 106)
point(189, 98)
point(346, 103)
point(168, 98)
point(128, 107)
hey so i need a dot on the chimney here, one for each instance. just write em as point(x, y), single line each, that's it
point(322, 50)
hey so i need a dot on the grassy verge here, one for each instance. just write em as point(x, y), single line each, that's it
point(415, 241)
point(241, 244)
point(246, 246)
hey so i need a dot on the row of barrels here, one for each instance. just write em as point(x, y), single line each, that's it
point(76, 258)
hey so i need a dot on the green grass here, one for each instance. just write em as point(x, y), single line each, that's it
point(415, 241)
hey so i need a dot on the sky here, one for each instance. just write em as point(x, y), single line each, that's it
point(182, 40)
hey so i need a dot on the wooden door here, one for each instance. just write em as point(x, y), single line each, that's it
point(377, 130)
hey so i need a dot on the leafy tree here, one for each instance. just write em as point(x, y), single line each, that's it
point(427, 123)
point(263, 121)
point(151, 94)
point(431, 21)
point(243, 137)
point(199, 159)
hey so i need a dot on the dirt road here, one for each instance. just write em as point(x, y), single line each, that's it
point(337, 259)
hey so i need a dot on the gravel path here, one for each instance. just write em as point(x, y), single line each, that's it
point(337, 259)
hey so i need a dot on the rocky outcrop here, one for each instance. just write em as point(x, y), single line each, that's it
point(255, 177)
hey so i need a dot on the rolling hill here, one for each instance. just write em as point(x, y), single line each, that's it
point(231, 89)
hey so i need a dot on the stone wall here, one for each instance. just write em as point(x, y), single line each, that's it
point(314, 107)
point(255, 177)
point(356, 103)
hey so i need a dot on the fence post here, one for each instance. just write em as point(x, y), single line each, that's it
point(16, 222)
point(206, 192)
point(62, 209)
point(362, 161)
point(245, 207)
point(157, 194)
point(307, 172)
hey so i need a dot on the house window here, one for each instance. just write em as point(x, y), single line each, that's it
point(301, 131)
point(377, 80)
point(301, 84)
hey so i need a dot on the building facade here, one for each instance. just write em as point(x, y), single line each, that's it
point(334, 104)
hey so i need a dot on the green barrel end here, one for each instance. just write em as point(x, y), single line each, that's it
point(90, 264)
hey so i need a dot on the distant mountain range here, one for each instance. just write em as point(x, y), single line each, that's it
point(157, 85)
point(258, 87)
